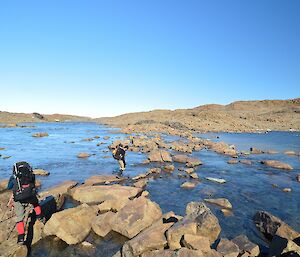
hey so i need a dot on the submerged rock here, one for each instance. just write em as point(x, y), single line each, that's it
point(134, 217)
point(189, 185)
point(277, 164)
point(40, 134)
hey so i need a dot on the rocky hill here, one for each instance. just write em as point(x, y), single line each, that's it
point(241, 116)
point(14, 118)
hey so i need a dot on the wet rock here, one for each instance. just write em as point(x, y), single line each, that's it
point(233, 161)
point(282, 247)
point(222, 202)
point(287, 190)
point(227, 212)
point(247, 162)
point(227, 248)
point(216, 180)
point(193, 162)
point(102, 224)
point(270, 225)
point(40, 134)
point(221, 148)
point(83, 155)
point(41, 172)
point(154, 171)
point(254, 150)
point(71, 225)
point(102, 179)
point(98, 194)
point(277, 164)
point(245, 245)
point(141, 183)
point(59, 192)
point(152, 238)
point(189, 161)
point(2, 148)
point(106, 137)
point(196, 242)
point(181, 158)
point(189, 185)
point(199, 220)
point(169, 168)
point(137, 215)
point(189, 170)
point(181, 147)
point(194, 175)
point(88, 139)
point(290, 152)
point(159, 156)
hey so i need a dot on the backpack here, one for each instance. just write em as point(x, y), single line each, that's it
point(119, 153)
point(24, 182)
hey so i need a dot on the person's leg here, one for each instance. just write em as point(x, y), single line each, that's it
point(121, 165)
point(19, 211)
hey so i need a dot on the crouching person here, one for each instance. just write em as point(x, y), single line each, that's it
point(22, 183)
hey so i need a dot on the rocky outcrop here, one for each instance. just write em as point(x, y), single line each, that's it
point(277, 164)
point(199, 220)
point(159, 156)
point(99, 194)
point(71, 225)
point(134, 217)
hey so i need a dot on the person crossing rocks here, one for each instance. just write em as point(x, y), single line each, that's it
point(22, 183)
point(119, 154)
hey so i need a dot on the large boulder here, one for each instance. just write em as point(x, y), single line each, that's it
point(102, 225)
point(199, 220)
point(114, 205)
point(228, 248)
point(277, 164)
point(152, 238)
point(269, 226)
point(134, 217)
point(159, 156)
point(99, 194)
point(71, 225)
point(59, 192)
point(196, 242)
point(246, 246)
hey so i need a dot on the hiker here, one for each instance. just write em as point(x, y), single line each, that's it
point(22, 183)
point(119, 154)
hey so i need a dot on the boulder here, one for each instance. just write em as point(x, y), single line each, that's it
point(99, 194)
point(83, 155)
point(181, 158)
point(185, 252)
point(102, 179)
point(228, 248)
point(199, 220)
point(40, 134)
point(189, 161)
point(247, 162)
point(298, 177)
point(277, 164)
point(233, 161)
point(196, 242)
point(159, 253)
point(41, 172)
point(194, 175)
point(71, 225)
point(102, 225)
point(134, 217)
point(169, 168)
point(254, 150)
point(113, 204)
point(287, 190)
point(152, 238)
point(216, 180)
point(282, 247)
point(193, 162)
point(189, 170)
point(222, 202)
point(159, 156)
point(141, 183)
point(246, 246)
point(3, 185)
point(59, 192)
point(290, 152)
point(270, 225)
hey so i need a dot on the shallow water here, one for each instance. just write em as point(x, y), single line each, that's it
point(249, 187)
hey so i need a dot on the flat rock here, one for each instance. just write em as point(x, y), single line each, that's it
point(228, 248)
point(71, 225)
point(113, 204)
point(169, 168)
point(216, 180)
point(245, 245)
point(233, 161)
point(199, 220)
point(40, 134)
point(159, 156)
point(247, 162)
point(277, 164)
point(222, 202)
point(141, 183)
point(136, 216)
point(41, 172)
point(99, 194)
point(254, 150)
point(159, 253)
point(189, 185)
point(102, 179)
point(102, 224)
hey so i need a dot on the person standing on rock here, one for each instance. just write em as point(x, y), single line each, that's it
point(119, 154)
point(22, 183)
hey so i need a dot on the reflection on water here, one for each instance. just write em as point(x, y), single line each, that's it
point(249, 187)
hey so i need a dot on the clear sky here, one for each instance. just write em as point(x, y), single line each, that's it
point(102, 58)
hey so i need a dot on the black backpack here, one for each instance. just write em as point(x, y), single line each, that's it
point(24, 181)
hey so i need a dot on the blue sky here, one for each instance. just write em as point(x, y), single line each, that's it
point(103, 58)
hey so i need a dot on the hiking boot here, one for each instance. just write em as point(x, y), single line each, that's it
point(21, 239)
